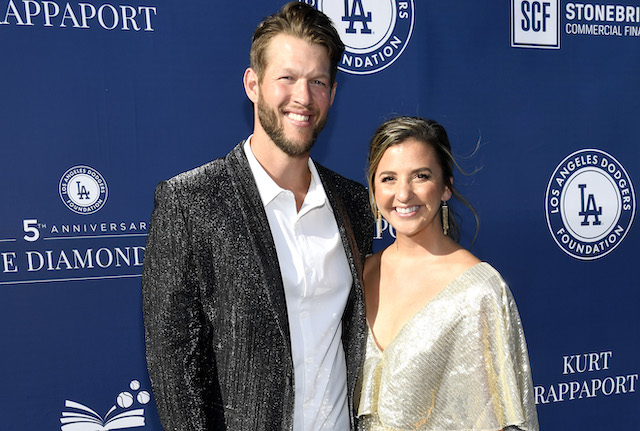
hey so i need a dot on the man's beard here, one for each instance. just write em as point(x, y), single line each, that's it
point(269, 120)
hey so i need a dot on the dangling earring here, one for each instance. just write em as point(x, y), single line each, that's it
point(378, 216)
point(445, 217)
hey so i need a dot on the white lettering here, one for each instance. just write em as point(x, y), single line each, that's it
point(114, 18)
point(68, 14)
point(49, 13)
point(7, 262)
point(12, 11)
point(84, 7)
point(28, 13)
point(602, 12)
point(80, 15)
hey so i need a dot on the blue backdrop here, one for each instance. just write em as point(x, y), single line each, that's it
point(101, 100)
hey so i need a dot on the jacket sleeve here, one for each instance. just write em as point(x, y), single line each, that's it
point(177, 339)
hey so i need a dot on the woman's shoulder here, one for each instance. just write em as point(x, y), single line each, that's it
point(483, 285)
point(486, 275)
point(469, 266)
point(461, 260)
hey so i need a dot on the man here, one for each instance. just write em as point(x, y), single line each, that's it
point(253, 307)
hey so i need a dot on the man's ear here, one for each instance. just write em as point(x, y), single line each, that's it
point(333, 92)
point(251, 84)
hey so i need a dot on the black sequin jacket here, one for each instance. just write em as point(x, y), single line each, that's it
point(217, 335)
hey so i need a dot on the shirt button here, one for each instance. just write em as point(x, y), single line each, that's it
point(304, 314)
point(309, 360)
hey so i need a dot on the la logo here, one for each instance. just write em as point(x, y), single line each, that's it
point(589, 208)
point(356, 14)
point(83, 193)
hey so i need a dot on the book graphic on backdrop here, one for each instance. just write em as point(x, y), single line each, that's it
point(79, 417)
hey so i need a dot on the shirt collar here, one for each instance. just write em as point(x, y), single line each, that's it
point(269, 190)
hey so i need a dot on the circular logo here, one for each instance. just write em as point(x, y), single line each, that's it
point(374, 33)
point(590, 204)
point(83, 190)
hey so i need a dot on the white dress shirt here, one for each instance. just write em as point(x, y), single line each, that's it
point(317, 281)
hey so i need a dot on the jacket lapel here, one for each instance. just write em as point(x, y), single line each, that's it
point(353, 329)
point(252, 210)
point(344, 227)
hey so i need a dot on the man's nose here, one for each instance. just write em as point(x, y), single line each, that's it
point(302, 93)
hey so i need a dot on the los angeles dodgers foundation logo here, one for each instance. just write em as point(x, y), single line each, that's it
point(590, 204)
point(375, 33)
point(83, 190)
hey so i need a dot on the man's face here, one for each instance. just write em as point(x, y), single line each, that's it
point(295, 93)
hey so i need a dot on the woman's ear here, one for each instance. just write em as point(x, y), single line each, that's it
point(447, 193)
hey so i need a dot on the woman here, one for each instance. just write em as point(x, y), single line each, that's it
point(446, 349)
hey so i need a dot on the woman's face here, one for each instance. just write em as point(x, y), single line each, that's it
point(409, 187)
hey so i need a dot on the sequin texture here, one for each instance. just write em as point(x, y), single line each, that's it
point(217, 334)
point(460, 363)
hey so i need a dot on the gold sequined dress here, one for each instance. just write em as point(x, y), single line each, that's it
point(460, 363)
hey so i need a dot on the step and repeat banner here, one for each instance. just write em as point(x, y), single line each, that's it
point(101, 100)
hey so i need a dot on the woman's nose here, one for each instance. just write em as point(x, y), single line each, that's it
point(404, 191)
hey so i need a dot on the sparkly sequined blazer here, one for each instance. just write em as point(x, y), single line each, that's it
point(217, 335)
